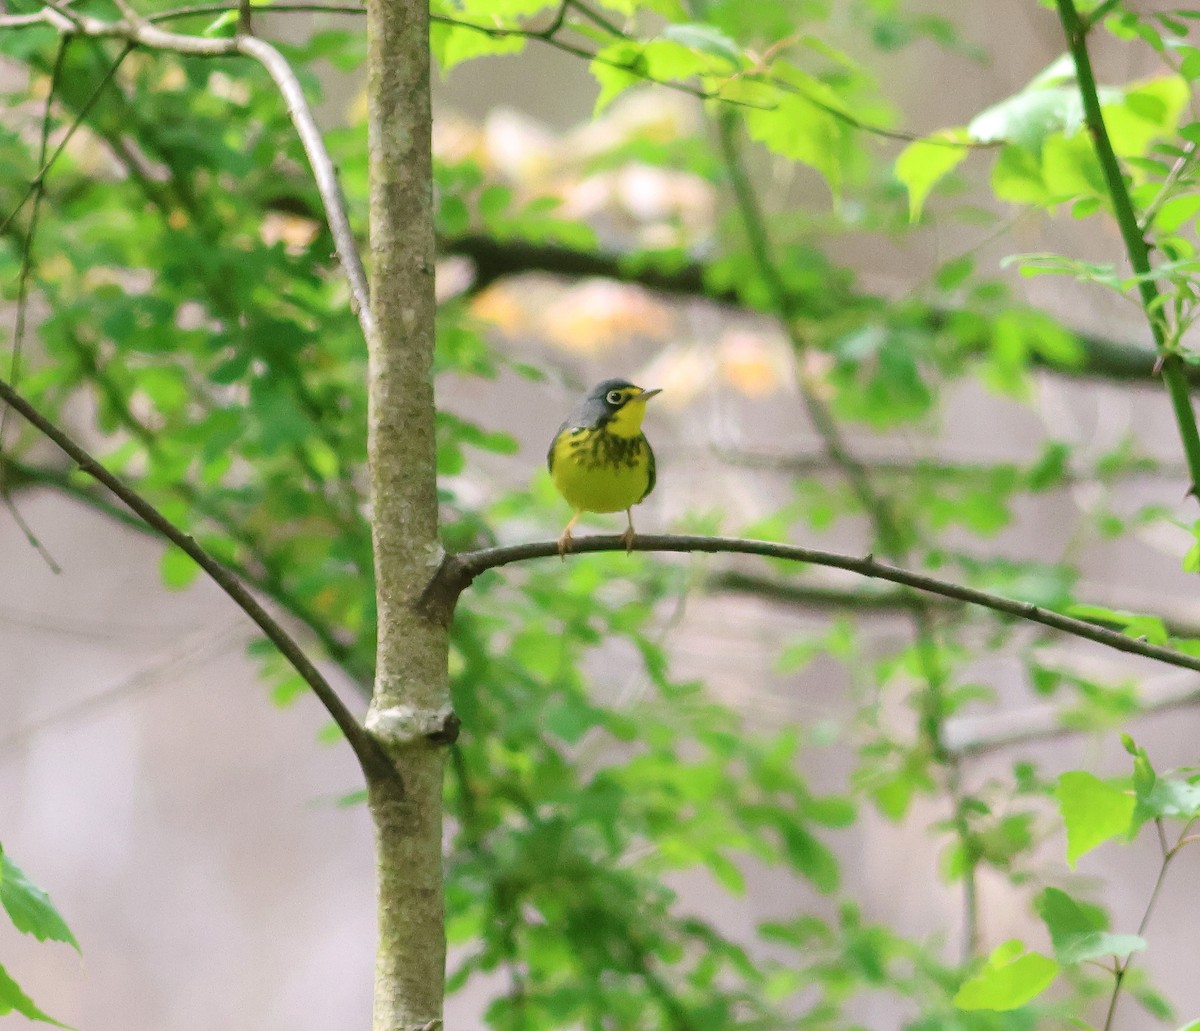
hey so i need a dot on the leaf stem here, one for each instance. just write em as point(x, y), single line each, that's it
point(1122, 967)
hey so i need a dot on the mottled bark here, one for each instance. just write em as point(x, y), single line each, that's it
point(410, 707)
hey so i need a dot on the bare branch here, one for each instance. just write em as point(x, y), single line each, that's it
point(495, 260)
point(457, 572)
point(549, 36)
point(1000, 730)
point(372, 758)
point(324, 173)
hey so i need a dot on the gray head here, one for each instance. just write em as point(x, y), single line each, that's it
point(608, 397)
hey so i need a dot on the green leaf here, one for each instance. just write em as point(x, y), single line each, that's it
point(1169, 797)
point(705, 38)
point(803, 126)
point(1093, 811)
point(1027, 118)
point(452, 45)
point(1079, 932)
point(1149, 628)
point(12, 998)
point(617, 69)
point(177, 569)
point(923, 163)
point(222, 25)
point(30, 908)
point(1010, 978)
point(726, 872)
point(1149, 111)
point(811, 858)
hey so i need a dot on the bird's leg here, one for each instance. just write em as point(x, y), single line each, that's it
point(564, 541)
point(627, 536)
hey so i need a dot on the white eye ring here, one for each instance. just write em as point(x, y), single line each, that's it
point(614, 397)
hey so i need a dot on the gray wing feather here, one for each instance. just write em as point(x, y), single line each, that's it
point(650, 472)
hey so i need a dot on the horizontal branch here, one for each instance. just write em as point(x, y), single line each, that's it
point(824, 597)
point(804, 461)
point(367, 750)
point(457, 572)
point(496, 259)
point(819, 597)
point(973, 736)
point(549, 35)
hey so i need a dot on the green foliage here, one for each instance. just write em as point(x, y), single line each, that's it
point(1080, 932)
point(1093, 812)
point(1010, 978)
point(31, 912)
point(29, 908)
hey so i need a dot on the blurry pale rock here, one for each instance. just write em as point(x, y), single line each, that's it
point(815, 367)
point(663, 207)
point(499, 307)
point(519, 147)
point(294, 231)
point(599, 313)
point(648, 196)
point(649, 115)
point(236, 91)
point(753, 364)
point(684, 372)
point(454, 275)
point(456, 139)
point(756, 364)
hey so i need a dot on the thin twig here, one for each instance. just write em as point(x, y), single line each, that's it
point(878, 507)
point(1122, 966)
point(785, 307)
point(324, 172)
point(1146, 222)
point(999, 731)
point(549, 36)
point(371, 756)
point(38, 185)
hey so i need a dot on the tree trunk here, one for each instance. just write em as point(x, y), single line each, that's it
point(410, 711)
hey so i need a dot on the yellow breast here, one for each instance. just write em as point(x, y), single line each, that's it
point(600, 472)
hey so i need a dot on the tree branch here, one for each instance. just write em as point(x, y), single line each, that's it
point(143, 33)
point(495, 260)
point(456, 573)
point(324, 173)
point(266, 580)
point(373, 760)
point(1171, 363)
point(968, 737)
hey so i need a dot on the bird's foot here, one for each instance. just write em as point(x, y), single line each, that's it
point(627, 537)
point(564, 543)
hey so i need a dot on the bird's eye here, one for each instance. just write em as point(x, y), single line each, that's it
point(614, 397)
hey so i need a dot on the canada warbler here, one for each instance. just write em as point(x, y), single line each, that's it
point(600, 460)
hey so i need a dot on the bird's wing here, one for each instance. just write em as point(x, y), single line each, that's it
point(550, 454)
point(649, 469)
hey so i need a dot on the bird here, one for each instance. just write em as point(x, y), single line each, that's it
point(600, 460)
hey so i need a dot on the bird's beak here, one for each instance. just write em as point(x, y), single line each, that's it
point(645, 395)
